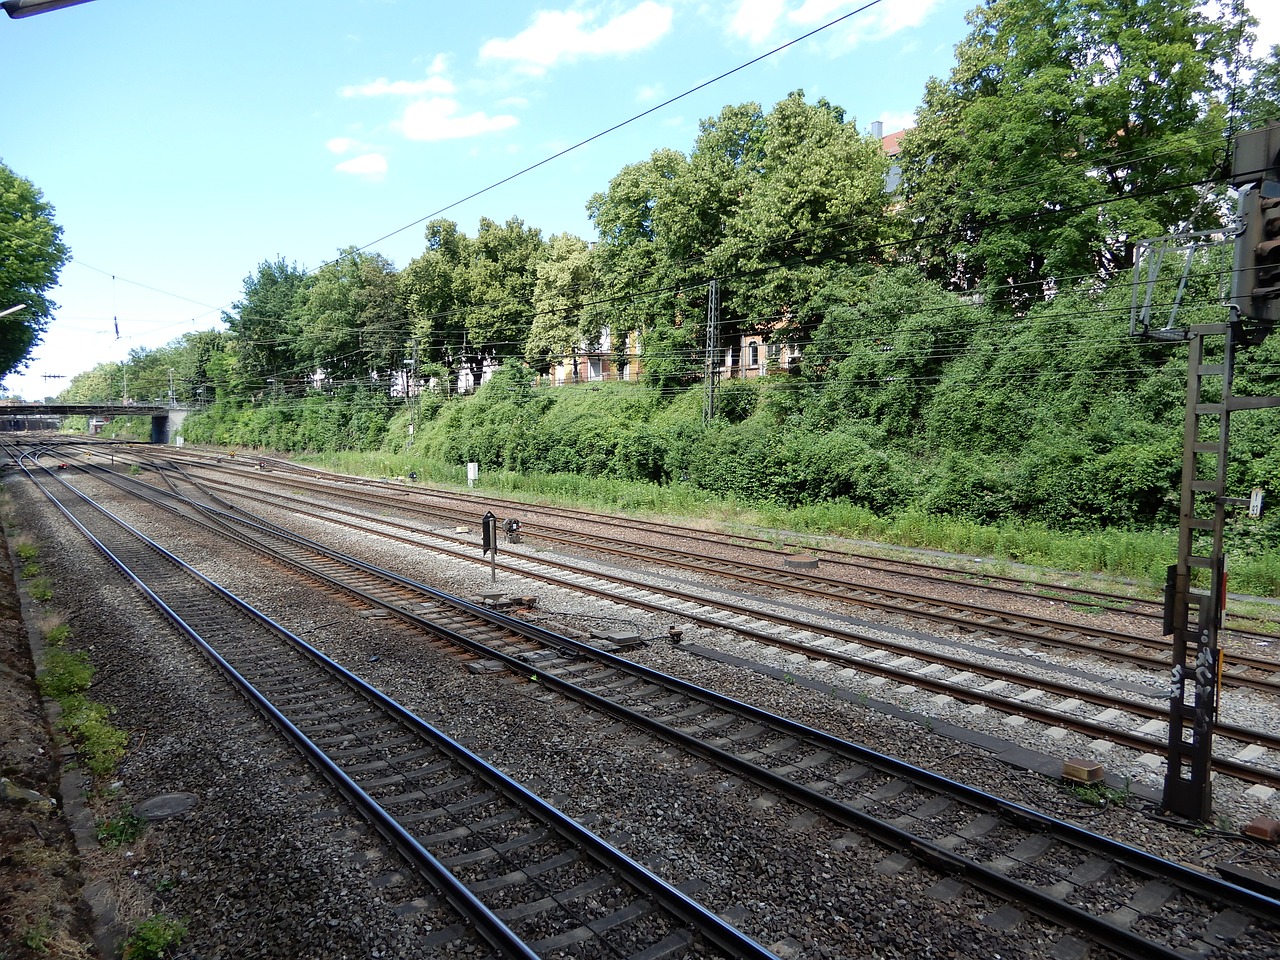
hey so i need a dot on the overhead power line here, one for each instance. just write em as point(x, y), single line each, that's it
point(617, 126)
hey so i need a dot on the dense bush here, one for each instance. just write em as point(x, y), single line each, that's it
point(911, 401)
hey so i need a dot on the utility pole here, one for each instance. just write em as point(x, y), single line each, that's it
point(711, 372)
point(414, 390)
point(1196, 587)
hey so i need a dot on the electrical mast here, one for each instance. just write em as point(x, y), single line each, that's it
point(1195, 591)
point(711, 372)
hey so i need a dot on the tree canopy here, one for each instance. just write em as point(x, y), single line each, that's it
point(963, 343)
point(1065, 133)
point(32, 255)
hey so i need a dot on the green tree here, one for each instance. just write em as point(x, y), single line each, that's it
point(470, 300)
point(500, 278)
point(1066, 132)
point(101, 384)
point(640, 290)
point(564, 281)
point(262, 324)
point(32, 255)
point(765, 203)
point(433, 288)
point(816, 198)
point(351, 323)
point(1259, 100)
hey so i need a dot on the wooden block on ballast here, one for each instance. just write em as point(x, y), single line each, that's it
point(1082, 771)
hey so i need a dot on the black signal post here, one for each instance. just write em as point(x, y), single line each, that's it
point(1196, 590)
point(489, 541)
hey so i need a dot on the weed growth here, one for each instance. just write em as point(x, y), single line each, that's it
point(100, 743)
point(64, 675)
point(58, 635)
point(154, 938)
point(36, 937)
point(1100, 794)
point(65, 678)
point(119, 830)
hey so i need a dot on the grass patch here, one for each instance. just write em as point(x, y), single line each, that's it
point(64, 674)
point(119, 830)
point(41, 590)
point(1099, 794)
point(36, 937)
point(154, 938)
point(57, 635)
point(1140, 555)
point(26, 551)
point(100, 744)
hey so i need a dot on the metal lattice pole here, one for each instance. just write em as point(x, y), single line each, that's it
point(711, 373)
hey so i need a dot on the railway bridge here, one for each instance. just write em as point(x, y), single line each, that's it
point(165, 420)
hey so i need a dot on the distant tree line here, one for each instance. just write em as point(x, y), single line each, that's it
point(964, 337)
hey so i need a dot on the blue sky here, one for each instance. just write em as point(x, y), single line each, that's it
point(182, 143)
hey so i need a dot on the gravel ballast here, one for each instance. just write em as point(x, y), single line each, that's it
point(267, 857)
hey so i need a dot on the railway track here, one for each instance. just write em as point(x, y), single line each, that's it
point(1146, 651)
point(1111, 895)
point(1137, 724)
point(526, 879)
point(844, 559)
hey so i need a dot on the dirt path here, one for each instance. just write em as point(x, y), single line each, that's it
point(42, 914)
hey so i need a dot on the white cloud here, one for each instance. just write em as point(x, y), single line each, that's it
point(1268, 25)
point(341, 145)
point(558, 35)
point(651, 93)
point(756, 19)
point(814, 12)
point(371, 166)
point(438, 119)
point(382, 87)
point(887, 19)
point(435, 82)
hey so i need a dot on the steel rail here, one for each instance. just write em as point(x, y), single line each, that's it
point(991, 880)
point(761, 544)
point(910, 604)
point(1044, 715)
point(706, 923)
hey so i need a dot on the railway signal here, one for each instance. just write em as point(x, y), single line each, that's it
point(1195, 593)
point(489, 542)
point(1255, 288)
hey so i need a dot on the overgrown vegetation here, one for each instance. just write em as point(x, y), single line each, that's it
point(66, 677)
point(1139, 549)
point(154, 938)
point(948, 361)
point(56, 635)
point(40, 589)
point(118, 829)
point(1100, 794)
